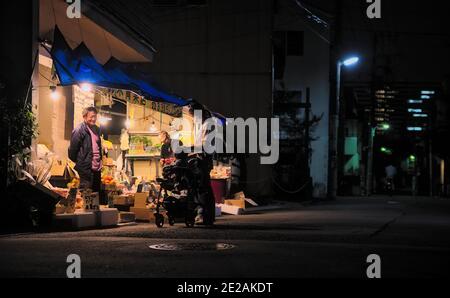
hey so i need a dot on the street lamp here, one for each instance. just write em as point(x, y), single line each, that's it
point(334, 117)
point(350, 61)
point(347, 63)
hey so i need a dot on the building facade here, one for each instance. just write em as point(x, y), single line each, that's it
point(223, 54)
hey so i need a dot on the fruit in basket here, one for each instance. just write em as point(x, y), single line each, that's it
point(107, 179)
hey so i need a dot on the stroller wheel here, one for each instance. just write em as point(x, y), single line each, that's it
point(171, 220)
point(189, 221)
point(159, 220)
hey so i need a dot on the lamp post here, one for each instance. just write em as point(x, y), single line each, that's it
point(334, 131)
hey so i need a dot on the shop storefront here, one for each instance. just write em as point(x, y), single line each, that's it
point(132, 115)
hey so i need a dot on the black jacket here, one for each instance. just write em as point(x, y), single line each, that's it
point(80, 149)
point(166, 150)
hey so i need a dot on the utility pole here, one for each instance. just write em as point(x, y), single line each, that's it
point(369, 175)
point(307, 137)
point(430, 155)
point(334, 102)
point(372, 128)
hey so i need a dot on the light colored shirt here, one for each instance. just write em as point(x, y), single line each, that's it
point(96, 159)
point(391, 171)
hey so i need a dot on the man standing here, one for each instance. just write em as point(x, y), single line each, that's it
point(391, 172)
point(86, 150)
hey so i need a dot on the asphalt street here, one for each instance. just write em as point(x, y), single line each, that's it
point(323, 240)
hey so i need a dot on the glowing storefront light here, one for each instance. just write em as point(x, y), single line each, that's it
point(103, 120)
point(428, 92)
point(415, 128)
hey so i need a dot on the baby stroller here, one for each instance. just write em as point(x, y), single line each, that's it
point(179, 191)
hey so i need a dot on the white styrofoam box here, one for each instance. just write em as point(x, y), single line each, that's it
point(229, 209)
point(85, 220)
point(107, 217)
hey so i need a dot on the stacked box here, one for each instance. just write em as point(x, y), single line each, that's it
point(126, 217)
point(143, 214)
point(140, 199)
point(107, 217)
point(76, 220)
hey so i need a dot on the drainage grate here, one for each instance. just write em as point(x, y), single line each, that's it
point(192, 246)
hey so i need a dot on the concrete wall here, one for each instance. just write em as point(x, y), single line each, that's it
point(310, 70)
point(220, 54)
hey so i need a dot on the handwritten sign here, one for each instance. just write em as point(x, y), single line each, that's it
point(131, 97)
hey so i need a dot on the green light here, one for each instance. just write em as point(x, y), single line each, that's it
point(386, 150)
point(412, 158)
point(385, 126)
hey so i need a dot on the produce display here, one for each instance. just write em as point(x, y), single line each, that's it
point(108, 180)
point(144, 145)
point(220, 172)
point(71, 197)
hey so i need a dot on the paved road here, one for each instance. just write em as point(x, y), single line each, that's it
point(329, 239)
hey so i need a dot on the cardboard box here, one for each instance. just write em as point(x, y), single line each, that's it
point(240, 201)
point(123, 200)
point(237, 203)
point(58, 167)
point(140, 200)
point(143, 214)
point(239, 196)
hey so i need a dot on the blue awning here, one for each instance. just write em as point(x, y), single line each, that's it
point(79, 66)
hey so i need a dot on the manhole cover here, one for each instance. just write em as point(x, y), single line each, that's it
point(192, 246)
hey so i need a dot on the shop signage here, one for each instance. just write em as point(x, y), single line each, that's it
point(131, 97)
